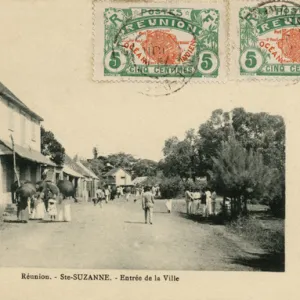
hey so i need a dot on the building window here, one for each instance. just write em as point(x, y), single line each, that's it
point(123, 177)
point(33, 135)
point(23, 128)
point(11, 118)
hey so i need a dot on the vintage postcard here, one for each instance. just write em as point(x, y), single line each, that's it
point(159, 41)
point(123, 178)
point(266, 35)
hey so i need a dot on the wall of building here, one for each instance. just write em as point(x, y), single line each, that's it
point(24, 128)
point(122, 178)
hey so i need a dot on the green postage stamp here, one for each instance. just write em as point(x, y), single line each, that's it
point(268, 39)
point(143, 41)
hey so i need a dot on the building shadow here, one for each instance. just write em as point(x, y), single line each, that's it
point(268, 262)
point(48, 221)
point(132, 222)
point(14, 221)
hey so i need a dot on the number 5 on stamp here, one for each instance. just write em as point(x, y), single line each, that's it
point(159, 41)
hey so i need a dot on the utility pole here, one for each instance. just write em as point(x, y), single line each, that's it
point(14, 160)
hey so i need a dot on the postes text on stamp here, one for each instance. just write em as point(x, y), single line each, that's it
point(269, 36)
point(156, 42)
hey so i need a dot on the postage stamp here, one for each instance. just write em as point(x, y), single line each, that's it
point(159, 41)
point(267, 40)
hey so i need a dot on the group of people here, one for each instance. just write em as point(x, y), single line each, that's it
point(146, 193)
point(41, 204)
point(102, 194)
point(201, 200)
point(110, 193)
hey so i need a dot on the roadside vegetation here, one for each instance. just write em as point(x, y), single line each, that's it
point(241, 155)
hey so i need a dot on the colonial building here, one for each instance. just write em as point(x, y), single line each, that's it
point(92, 180)
point(84, 180)
point(118, 177)
point(21, 125)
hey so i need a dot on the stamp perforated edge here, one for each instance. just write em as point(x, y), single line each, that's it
point(223, 40)
point(234, 44)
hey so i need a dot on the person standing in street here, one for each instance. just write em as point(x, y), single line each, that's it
point(196, 201)
point(127, 193)
point(113, 193)
point(188, 199)
point(118, 191)
point(106, 192)
point(169, 205)
point(203, 203)
point(148, 205)
point(153, 191)
point(100, 196)
point(40, 208)
point(52, 209)
point(213, 202)
point(109, 192)
point(208, 201)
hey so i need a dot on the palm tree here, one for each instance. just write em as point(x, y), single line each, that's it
point(247, 34)
point(210, 36)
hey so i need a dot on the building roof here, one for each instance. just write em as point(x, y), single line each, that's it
point(138, 180)
point(79, 168)
point(74, 166)
point(9, 96)
point(87, 170)
point(29, 154)
point(68, 170)
point(4, 150)
point(115, 170)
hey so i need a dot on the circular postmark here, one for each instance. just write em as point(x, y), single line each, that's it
point(168, 62)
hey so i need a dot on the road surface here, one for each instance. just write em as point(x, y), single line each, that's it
point(116, 237)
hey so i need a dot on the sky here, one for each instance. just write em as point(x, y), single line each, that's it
point(46, 61)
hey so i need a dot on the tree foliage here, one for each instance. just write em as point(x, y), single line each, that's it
point(170, 187)
point(137, 167)
point(144, 167)
point(240, 174)
point(51, 147)
point(259, 134)
point(181, 157)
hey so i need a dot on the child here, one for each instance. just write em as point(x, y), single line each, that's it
point(52, 210)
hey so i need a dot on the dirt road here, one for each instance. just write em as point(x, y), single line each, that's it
point(116, 237)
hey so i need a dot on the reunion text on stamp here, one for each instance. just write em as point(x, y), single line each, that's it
point(155, 42)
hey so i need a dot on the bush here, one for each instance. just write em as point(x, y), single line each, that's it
point(254, 201)
point(191, 185)
point(277, 206)
point(171, 187)
point(271, 240)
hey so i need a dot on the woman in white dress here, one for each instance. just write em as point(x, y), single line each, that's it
point(66, 209)
point(169, 205)
point(39, 207)
point(208, 201)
